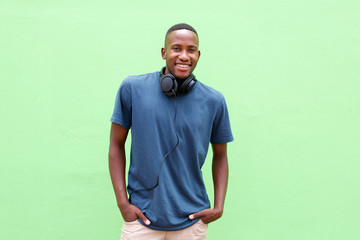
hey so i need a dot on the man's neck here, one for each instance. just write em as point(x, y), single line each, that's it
point(180, 81)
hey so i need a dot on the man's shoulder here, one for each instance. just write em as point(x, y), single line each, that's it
point(209, 92)
point(140, 83)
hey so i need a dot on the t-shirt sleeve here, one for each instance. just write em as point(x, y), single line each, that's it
point(221, 131)
point(122, 109)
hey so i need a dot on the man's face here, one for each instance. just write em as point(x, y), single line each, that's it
point(181, 53)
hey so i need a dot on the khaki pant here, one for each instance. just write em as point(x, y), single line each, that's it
point(136, 231)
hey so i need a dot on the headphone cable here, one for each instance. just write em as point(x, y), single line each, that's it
point(164, 158)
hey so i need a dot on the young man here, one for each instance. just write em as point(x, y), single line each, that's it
point(173, 118)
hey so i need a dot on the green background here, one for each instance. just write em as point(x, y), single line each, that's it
point(290, 73)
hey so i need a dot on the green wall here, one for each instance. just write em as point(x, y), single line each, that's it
point(289, 71)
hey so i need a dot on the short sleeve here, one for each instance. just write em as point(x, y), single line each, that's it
point(122, 109)
point(221, 131)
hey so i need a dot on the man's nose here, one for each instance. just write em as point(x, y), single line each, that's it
point(184, 56)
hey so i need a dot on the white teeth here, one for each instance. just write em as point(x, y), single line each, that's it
point(183, 65)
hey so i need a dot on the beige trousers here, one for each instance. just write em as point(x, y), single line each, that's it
point(136, 231)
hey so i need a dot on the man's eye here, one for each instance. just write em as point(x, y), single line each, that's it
point(192, 50)
point(176, 49)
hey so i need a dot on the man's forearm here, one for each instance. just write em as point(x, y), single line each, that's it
point(117, 163)
point(220, 171)
point(220, 177)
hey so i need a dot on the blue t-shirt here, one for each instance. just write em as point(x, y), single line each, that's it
point(202, 117)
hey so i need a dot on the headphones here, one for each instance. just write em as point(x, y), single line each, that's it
point(169, 85)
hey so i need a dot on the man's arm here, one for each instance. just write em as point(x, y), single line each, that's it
point(220, 172)
point(117, 163)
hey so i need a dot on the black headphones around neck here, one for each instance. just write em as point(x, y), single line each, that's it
point(169, 85)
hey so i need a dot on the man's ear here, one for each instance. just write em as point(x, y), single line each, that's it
point(199, 55)
point(163, 53)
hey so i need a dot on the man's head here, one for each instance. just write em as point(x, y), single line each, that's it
point(181, 50)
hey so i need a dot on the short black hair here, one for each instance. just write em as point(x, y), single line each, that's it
point(180, 26)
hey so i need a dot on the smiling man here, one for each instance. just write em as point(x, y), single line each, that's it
point(173, 118)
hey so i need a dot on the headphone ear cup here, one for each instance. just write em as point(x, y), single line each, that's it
point(168, 84)
point(190, 85)
point(187, 84)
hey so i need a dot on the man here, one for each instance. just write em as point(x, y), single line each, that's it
point(173, 118)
